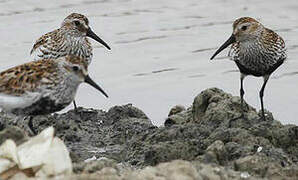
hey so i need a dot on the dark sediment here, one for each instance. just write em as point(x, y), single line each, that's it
point(124, 139)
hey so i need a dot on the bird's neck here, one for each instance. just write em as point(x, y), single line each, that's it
point(77, 44)
point(70, 33)
point(73, 38)
point(250, 48)
point(249, 44)
point(68, 85)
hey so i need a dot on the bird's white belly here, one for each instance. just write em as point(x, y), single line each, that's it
point(10, 102)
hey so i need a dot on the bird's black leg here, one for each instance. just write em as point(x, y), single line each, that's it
point(262, 94)
point(30, 125)
point(76, 109)
point(75, 106)
point(242, 76)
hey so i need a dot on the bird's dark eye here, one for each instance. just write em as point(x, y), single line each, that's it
point(243, 28)
point(77, 23)
point(75, 68)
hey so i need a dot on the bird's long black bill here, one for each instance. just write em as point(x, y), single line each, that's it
point(91, 34)
point(93, 84)
point(231, 40)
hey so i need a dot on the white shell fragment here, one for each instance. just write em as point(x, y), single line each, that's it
point(33, 152)
point(57, 160)
point(259, 149)
point(45, 154)
point(8, 155)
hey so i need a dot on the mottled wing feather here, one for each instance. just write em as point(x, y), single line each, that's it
point(274, 44)
point(57, 44)
point(47, 46)
point(27, 77)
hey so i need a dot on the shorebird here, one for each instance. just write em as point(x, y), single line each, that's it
point(43, 86)
point(69, 39)
point(256, 50)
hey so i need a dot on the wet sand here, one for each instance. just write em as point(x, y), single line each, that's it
point(160, 49)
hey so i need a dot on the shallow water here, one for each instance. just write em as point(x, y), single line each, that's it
point(160, 49)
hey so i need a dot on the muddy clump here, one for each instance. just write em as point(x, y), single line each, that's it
point(208, 140)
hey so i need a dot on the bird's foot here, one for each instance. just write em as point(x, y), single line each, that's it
point(265, 115)
point(234, 119)
point(263, 118)
point(78, 112)
point(75, 108)
point(31, 127)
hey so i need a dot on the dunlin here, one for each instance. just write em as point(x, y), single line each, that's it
point(69, 39)
point(43, 86)
point(256, 50)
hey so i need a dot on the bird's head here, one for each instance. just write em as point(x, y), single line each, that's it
point(78, 25)
point(244, 29)
point(247, 29)
point(77, 68)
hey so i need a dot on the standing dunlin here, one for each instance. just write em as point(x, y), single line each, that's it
point(256, 50)
point(43, 86)
point(69, 39)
